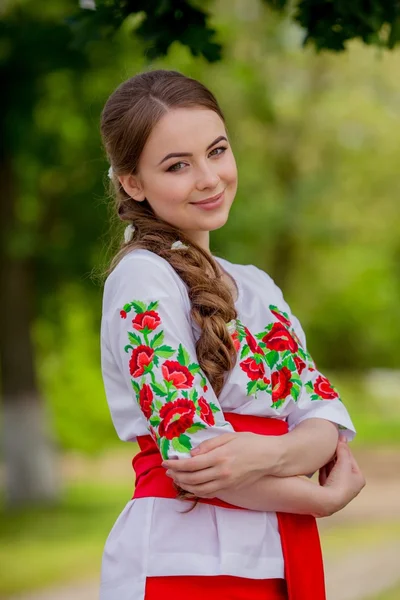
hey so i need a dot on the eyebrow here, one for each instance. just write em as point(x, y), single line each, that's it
point(181, 154)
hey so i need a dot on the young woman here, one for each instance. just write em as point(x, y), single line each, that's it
point(203, 362)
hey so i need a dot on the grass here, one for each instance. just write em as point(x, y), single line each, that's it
point(392, 594)
point(40, 547)
point(358, 536)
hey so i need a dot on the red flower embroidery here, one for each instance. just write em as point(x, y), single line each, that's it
point(235, 340)
point(141, 357)
point(323, 388)
point(300, 364)
point(254, 371)
point(149, 319)
point(176, 417)
point(281, 384)
point(281, 318)
point(206, 413)
point(180, 375)
point(280, 339)
point(205, 388)
point(145, 400)
point(123, 314)
point(254, 347)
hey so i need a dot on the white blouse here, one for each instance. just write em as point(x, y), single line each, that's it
point(154, 385)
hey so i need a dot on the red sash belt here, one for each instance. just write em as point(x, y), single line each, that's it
point(304, 571)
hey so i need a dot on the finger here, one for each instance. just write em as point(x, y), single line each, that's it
point(212, 444)
point(322, 476)
point(353, 462)
point(212, 487)
point(198, 478)
point(197, 463)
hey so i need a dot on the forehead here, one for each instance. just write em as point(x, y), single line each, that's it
point(184, 130)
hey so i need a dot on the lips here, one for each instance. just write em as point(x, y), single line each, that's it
point(209, 200)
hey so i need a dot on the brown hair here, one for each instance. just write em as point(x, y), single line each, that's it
point(128, 118)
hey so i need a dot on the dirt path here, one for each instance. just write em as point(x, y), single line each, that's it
point(364, 574)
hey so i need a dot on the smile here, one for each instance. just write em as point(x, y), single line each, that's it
point(210, 203)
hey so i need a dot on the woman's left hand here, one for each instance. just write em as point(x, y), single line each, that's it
point(230, 460)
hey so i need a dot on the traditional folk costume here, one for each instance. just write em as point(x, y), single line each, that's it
point(159, 397)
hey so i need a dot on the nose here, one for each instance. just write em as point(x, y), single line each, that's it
point(207, 178)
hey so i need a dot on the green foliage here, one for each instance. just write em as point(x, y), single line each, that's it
point(327, 24)
point(159, 23)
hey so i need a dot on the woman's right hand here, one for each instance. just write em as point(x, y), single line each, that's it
point(342, 479)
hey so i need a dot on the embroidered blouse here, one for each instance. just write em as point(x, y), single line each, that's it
point(154, 385)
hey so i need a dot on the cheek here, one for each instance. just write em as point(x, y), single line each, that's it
point(229, 170)
point(166, 193)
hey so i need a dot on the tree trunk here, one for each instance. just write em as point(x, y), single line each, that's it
point(30, 474)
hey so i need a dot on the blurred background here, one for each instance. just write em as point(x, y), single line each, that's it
point(317, 141)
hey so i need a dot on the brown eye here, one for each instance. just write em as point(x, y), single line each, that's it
point(218, 151)
point(176, 167)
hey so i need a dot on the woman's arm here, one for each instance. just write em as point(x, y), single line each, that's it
point(307, 448)
point(228, 460)
point(301, 496)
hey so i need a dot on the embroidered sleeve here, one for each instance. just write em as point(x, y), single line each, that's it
point(293, 372)
point(317, 396)
point(153, 343)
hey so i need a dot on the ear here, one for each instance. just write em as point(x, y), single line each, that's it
point(132, 186)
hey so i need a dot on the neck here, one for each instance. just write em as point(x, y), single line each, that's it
point(201, 238)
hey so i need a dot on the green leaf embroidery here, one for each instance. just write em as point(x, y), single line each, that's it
point(278, 403)
point(164, 351)
point(289, 362)
point(203, 380)
point(272, 358)
point(245, 351)
point(262, 385)
point(315, 397)
point(182, 443)
point(183, 356)
point(196, 427)
point(164, 447)
point(309, 387)
point(185, 394)
point(127, 308)
point(134, 339)
point(295, 391)
point(172, 396)
point(135, 386)
point(154, 421)
point(152, 305)
point(159, 389)
point(194, 395)
point(157, 340)
point(213, 407)
point(194, 368)
point(252, 387)
point(158, 404)
point(139, 307)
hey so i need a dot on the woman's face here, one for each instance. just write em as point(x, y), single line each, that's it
point(187, 160)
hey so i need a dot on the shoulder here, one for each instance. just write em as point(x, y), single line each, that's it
point(143, 273)
point(253, 276)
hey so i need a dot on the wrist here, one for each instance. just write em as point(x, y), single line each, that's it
point(272, 455)
point(329, 501)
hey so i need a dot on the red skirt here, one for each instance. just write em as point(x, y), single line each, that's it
point(219, 587)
